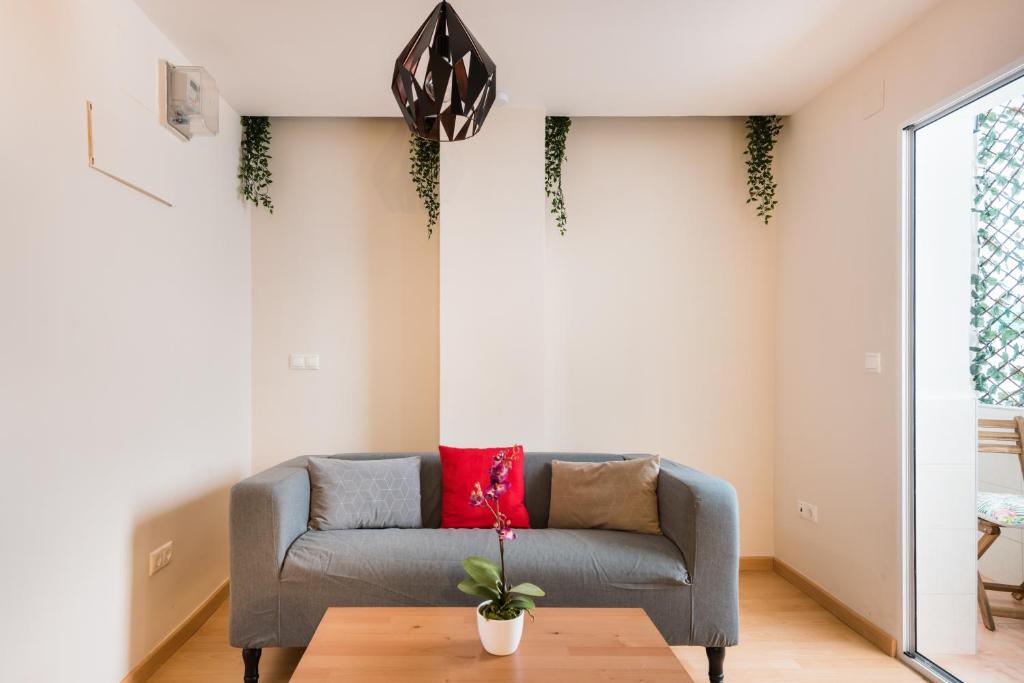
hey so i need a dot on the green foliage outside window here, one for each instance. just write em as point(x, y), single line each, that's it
point(997, 311)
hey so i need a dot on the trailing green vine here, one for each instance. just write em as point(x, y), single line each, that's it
point(556, 129)
point(425, 156)
point(762, 133)
point(254, 161)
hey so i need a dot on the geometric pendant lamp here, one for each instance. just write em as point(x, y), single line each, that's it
point(443, 80)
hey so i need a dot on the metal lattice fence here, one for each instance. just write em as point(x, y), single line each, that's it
point(997, 312)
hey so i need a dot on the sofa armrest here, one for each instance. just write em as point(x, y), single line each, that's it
point(268, 512)
point(700, 514)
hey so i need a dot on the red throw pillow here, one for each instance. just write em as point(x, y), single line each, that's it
point(461, 468)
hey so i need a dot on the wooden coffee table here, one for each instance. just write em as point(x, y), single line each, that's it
point(411, 644)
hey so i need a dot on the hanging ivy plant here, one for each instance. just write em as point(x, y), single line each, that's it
point(762, 133)
point(254, 161)
point(556, 129)
point(425, 156)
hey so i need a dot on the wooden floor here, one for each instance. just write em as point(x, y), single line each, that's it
point(1000, 657)
point(786, 637)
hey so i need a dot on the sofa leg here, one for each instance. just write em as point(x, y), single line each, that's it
point(716, 658)
point(251, 657)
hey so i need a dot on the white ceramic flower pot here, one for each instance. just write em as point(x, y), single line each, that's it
point(499, 636)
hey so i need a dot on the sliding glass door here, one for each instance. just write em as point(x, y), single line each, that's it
point(965, 280)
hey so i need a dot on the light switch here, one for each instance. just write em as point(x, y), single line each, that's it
point(304, 361)
point(873, 362)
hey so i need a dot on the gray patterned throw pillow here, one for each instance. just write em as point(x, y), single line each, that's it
point(364, 494)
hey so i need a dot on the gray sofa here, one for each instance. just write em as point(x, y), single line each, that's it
point(284, 576)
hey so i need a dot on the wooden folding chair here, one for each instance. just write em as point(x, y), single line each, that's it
point(998, 510)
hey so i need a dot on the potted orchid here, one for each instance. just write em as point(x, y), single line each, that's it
point(499, 617)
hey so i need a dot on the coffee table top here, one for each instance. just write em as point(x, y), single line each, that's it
point(412, 644)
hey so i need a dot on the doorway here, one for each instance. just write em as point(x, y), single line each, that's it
point(965, 352)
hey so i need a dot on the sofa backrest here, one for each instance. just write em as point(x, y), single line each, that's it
point(537, 480)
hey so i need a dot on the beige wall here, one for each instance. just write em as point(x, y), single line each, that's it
point(124, 391)
point(649, 327)
point(492, 284)
point(659, 309)
point(343, 268)
point(838, 295)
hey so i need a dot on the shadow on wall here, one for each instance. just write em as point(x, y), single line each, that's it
point(403, 309)
point(343, 268)
point(198, 528)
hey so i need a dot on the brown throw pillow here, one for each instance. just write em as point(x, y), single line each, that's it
point(620, 494)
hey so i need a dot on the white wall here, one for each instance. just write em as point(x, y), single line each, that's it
point(343, 268)
point(125, 334)
point(492, 284)
point(649, 327)
point(659, 306)
point(838, 295)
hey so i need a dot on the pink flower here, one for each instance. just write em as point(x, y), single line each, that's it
point(476, 496)
point(504, 528)
point(499, 474)
point(495, 491)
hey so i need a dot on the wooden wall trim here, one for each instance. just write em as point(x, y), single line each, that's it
point(871, 632)
point(757, 563)
point(145, 669)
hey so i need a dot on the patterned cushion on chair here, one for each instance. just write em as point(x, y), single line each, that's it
point(1004, 509)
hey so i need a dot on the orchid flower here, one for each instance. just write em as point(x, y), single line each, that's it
point(506, 602)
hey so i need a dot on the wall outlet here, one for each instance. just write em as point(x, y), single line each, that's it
point(161, 557)
point(807, 511)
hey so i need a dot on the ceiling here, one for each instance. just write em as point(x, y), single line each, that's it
point(569, 57)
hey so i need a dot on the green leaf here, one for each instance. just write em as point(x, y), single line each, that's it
point(523, 602)
point(527, 589)
point(482, 570)
point(471, 587)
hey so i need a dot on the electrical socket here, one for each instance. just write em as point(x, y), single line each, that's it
point(807, 510)
point(161, 557)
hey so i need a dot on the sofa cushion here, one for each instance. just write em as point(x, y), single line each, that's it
point(462, 469)
point(537, 475)
point(605, 495)
point(1004, 509)
point(422, 566)
point(430, 478)
point(364, 494)
point(536, 479)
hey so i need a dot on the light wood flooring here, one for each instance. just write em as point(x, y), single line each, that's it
point(786, 637)
point(1000, 657)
